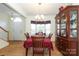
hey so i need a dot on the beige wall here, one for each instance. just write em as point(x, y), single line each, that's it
point(47, 17)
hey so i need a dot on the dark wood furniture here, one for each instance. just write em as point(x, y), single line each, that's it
point(38, 44)
point(67, 30)
point(47, 43)
point(27, 35)
point(50, 35)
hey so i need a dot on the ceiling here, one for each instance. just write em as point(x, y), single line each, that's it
point(37, 8)
point(26, 9)
point(4, 9)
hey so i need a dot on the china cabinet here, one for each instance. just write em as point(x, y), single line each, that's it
point(67, 30)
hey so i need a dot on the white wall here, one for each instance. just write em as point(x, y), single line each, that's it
point(3, 43)
point(53, 27)
point(47, 17)
point(4, 21)
point(17, 29)
point(9, 25)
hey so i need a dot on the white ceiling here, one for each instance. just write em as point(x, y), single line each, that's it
point(34, 8)
point(7, 10)
point(26, 9)
point(3, 8)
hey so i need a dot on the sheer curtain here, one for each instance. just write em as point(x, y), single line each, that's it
point(40, 27)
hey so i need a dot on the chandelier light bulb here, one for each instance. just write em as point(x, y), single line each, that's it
point(39, 17)
point(42, 16)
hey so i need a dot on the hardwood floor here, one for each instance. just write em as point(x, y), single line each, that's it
point(17, 49)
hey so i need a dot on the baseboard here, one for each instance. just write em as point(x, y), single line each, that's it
point(16, 40)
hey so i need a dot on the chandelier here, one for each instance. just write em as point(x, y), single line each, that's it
point(39, 17)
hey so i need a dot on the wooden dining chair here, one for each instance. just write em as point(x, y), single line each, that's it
point(38, 45)
point(50, 35)
point(27, 35)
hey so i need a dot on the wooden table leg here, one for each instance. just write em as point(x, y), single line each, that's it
point(49, 52)
point(26, 51)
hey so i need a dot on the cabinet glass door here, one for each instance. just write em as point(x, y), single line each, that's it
point(63, 26)
point(73, 23)
point(58, 26)
point(57, 32)
point(63, 32)
point(73, 33)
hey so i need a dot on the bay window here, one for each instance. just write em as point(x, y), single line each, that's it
point(43, 26)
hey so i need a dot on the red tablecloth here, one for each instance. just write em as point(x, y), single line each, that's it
point(28, 43)
point(47, 43)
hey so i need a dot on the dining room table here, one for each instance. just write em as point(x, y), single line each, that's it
point(47, 43)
